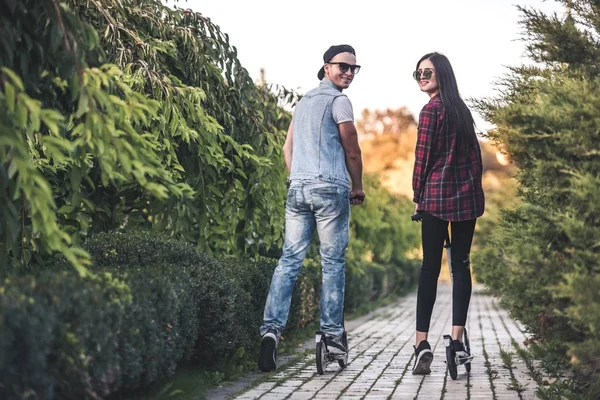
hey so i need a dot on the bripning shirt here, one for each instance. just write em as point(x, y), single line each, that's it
point(446, 181)
point(342, 110)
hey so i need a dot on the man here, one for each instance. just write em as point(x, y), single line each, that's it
point(321, 149)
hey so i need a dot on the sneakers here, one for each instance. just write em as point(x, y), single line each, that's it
point(423, 359)
point(461, 355)
point(267, 358)
point(334, 346)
